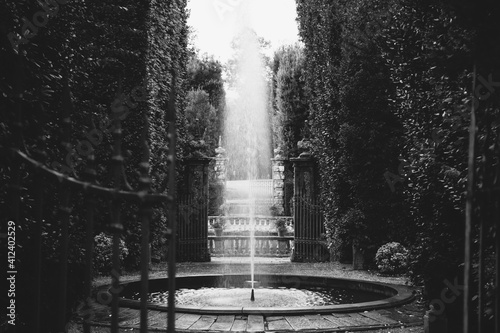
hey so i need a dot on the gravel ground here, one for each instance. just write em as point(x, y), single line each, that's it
point(263, 265)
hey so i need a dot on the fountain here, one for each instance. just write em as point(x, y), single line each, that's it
point(277, 294)
point(246, 132)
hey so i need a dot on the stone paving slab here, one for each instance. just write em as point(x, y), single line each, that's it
point(255, 323)
point(335, 321)
point(299, 323)
point(187, 322)
point(203, 324)
point(278, 324)
point(223, 323)
point(360, 320)
point(377, 316)
point(318, 321)
point(240, 324)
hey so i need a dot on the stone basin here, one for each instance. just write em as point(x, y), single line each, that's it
point(228, 301)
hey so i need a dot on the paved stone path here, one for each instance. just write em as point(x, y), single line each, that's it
point(406, 315)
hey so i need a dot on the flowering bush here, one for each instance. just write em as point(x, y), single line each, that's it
point(103, 253)
point(392, 258)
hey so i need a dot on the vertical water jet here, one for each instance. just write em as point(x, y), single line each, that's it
point(247, 130)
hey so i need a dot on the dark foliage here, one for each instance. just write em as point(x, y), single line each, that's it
point(390, 87)
point(103, 49)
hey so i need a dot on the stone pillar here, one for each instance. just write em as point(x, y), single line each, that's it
point(193, 212)
point(303, 176)
point(278, 163)
point(220, 164)
point(217, 188)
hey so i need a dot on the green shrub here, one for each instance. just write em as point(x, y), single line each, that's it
point(392, 258)
point(103, 253)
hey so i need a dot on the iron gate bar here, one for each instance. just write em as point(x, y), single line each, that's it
point(67, 111)
point(469, 207)
point(116, 224)
point(172, 216)
point(63, 284)
point(482, 220)
point(497, 254)
point(145, 224)
point(480, 274)
point(89, 246)
point(39, 189)
point(493, 200)
point(145, 213)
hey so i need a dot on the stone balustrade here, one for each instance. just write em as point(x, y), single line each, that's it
point(231, 245)
point(234, 224)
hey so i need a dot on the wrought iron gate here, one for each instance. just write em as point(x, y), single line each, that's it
point(307, 214)
point(20, 162)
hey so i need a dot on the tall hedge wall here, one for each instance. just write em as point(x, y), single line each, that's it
point(106, 50)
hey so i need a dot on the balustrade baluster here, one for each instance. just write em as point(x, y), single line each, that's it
point(228, 246)
point(235, 246)
point(284, 247)
point(273, 247)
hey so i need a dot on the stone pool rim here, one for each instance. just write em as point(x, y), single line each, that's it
point(400, 295)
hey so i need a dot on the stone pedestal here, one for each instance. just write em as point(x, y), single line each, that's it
point(219, 246)
point(282, 246)
point(217, 186)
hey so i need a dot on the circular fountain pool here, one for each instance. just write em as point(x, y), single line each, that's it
point(277, 294)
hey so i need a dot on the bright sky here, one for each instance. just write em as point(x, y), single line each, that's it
point(216, 22)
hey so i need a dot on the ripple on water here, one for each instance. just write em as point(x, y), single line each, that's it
point(264, 297)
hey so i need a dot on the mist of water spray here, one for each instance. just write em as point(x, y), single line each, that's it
point(247, 130)
point(247, 127)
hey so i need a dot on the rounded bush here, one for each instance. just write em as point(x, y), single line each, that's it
point(392, 258)
point(103, 253)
